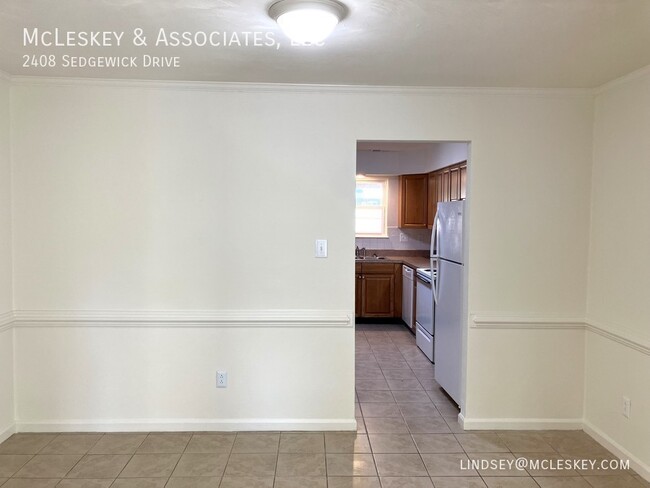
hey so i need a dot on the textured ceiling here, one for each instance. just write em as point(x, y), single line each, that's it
point(495, 43)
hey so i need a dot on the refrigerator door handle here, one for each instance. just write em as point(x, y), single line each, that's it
point(434, 259)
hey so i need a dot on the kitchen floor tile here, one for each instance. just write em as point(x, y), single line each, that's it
point(437, 443)
point(206, 443)
point(398, 374)
point(426, 425)
point(256, 443)
point(353, 482)
point(201, 464)
point(399, 465)
point(302, 442)
point(457, 482)
point(247, 482)
point(351, 465)
point(164, 444)
point(386, 425)
point(525, 442)
point(380, 410)
point(562, 482)
point(11, 463)
point(244, 464)
point(452, 464)
point(85, 483)
point(118, 444)
point(382, 396)
point(624, 481)
point(300, 482)
point(301, 464)
point(71, 444)
point(412, 384)
point(481, 443)
point(150, 466)
point(419, 410)
point(346, 443)
point(406, 482)
point(48, 466)
point(392, 444)
point(411, 396)
point(510, 482)
point(30, 483)
point(26, 443)
point(139, 483)
point(371, 385)
point(203, 482)
point(100, 466)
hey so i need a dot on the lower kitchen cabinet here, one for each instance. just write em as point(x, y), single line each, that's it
point(378, 290)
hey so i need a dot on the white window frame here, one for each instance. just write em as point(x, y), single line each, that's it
point(384, 206)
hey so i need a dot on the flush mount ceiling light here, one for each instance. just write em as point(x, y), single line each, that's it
point(307, 21)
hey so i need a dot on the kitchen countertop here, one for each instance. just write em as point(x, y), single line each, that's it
point(412, 261)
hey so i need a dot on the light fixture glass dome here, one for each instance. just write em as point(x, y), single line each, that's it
point(307, 21)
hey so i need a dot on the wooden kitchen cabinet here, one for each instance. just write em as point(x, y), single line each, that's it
point(379, 290)
point(449, 184)
point(357, 290)
point(445, 186)
point(432, 197)
point(463, 181)
point(413, 203)
point(454, 184)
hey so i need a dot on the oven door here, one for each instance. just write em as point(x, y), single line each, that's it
point(424, 305)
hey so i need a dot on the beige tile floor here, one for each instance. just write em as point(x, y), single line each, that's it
point(408, 437)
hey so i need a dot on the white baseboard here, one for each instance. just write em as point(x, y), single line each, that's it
point(520, 424)
point(187, 425)
point(610, 444)
point(7, 432)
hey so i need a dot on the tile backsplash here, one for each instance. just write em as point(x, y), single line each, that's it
point(417, 239)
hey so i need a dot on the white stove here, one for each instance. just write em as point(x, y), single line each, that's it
point(424, 311)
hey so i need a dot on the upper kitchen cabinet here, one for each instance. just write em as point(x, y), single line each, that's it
point(454, 184)
point(432, 197)
point(463, 181)
point(413, 203)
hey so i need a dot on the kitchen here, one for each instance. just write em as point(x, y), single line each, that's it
point(409, 225)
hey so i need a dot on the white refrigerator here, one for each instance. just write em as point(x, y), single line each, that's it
point(447, 258)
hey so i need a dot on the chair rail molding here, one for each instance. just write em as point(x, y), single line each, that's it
point(618, 334)
point(183, 318)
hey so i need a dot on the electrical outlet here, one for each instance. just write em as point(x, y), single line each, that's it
point(222, 379)
point(403, 237)
point(627, 407)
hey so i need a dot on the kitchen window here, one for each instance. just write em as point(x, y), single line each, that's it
point(372, 203)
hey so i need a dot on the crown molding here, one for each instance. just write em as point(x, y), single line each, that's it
point(215, 86)
point(5, 76)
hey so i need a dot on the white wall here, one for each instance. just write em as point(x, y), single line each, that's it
point(6, 334)
point(443, 155)
point(127, 198)
point(618, 359)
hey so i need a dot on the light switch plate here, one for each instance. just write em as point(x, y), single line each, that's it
point(321, 248)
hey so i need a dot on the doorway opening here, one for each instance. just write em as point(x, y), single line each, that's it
point(412, 203)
